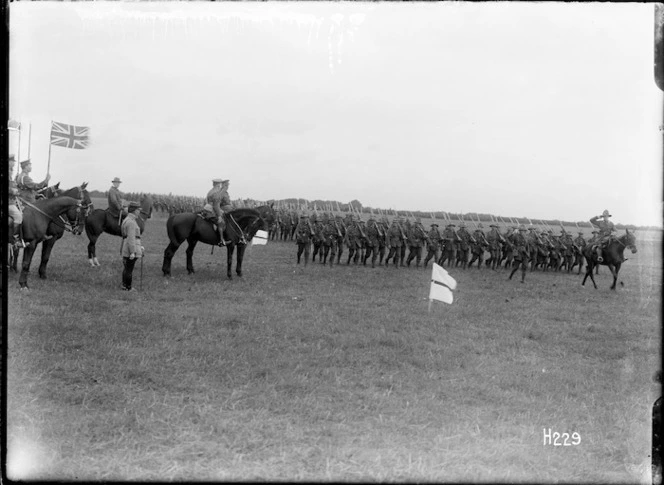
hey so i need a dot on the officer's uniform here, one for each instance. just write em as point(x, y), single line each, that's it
point(28, 187)
point(303, 235)
point(131, 250)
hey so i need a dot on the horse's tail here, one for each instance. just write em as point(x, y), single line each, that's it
point(170, 231)
point(180, 226)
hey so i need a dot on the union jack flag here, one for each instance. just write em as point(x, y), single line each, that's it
point(69, 136)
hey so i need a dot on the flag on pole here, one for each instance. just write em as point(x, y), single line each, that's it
point(260, 239)
point(442, 285)
point(69, 136)
point(14, 125)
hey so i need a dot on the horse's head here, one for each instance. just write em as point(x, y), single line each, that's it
point(268, 214)
point(146, 207)
point(629, 241)
point(51, 191)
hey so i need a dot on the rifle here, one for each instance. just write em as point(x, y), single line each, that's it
point(337, 227)
point(403, 234)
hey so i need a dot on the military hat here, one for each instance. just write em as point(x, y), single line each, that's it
point(563, 231)
point(317, 219)
point(217, 181)
point(451, 224)
point(434, 224)
point(25, 163)
point(480, 226)
point(116, 181)
point(531, 228)
point(371, 219)
point(549, 231)
point(360, 221)
point(595, 232)
point(581, 233)
point(462, 225)
point(12, 158)
point(338, 216)
point(208, 207)
point(493, 225)
point(303, 216)
point(522, 227)
point(133, 206)
point(606, 213)
point(417, 219)
point(225, 181)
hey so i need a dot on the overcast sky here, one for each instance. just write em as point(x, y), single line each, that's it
point(517, 109)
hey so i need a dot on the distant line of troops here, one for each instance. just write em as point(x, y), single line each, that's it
point(379, 240)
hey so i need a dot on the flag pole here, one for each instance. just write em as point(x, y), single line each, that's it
point(48, 167)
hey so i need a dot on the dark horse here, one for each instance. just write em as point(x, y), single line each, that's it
point(44, 218)
point(612, 255)
point(100, 221)
point(241, 226)
point(57, 228)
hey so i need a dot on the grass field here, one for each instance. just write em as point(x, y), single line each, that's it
point(319, 373)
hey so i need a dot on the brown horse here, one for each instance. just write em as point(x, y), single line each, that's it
point(612, 255)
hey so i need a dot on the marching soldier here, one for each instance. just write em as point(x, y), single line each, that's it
point(477, 249)
point(606, 228)
point(396, 240)
point(353, 239)
point(464, 245)
point(372, 242)
point(521, 252)
point(318, 240)
point(27, 187)
point(433, 244)
point(339, 224)
point(383, 227)
point(417, 237)
point(303, 234)
point(494, 238)
point(331, 232)
point(449, 246)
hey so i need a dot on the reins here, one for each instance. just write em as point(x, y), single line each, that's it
point(66, 225)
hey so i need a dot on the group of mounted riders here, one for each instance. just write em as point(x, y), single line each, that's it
point(380, 240)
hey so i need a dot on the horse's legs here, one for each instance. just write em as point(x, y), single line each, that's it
point(614, 272)
point(589, 272)
point(239, 259)
point(169, 252)
point(47, 247)
point(190, 254)
point(230, 249)
point(28, 252)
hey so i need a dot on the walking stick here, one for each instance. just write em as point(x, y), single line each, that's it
point(140, 281)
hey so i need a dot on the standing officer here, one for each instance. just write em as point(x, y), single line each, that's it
point(26, 185)
point(131, 244)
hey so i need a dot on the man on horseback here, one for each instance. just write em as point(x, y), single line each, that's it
point(220, 202)
point(14, 206)
point(605, 227)
point(28, 188)
point(115, 207)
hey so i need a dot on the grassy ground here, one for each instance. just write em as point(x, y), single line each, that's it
point(319, 373)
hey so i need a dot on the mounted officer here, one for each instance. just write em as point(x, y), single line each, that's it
point(606, 228)
point(116, 207)
point(220, 202)
point(27, 187)
point(14, 208)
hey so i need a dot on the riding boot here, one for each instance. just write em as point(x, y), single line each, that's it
point(18, 236)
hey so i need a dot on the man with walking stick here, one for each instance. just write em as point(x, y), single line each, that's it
point(131, 246)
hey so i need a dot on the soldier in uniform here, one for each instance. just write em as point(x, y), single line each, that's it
point(353, 237)
point(131, 244)
point(383, 227)
point(371, 242)
point(417, 237)
point(449, 247)
point(433, 244)
point(220, 201)
point(27, 187)
point(14, 208)
point(317, 239)
point(521, 252)
point(477, 249)
point(464, 245)
point(303, 234)
point(396, 240)
point(606, 228)
point(494, 238)
point(330, 234)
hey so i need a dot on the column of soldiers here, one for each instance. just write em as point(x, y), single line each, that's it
point(379, 242)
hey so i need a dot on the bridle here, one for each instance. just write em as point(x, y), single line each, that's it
point(61, 222)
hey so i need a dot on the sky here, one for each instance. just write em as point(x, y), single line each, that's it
point(540, 110)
